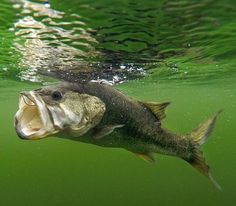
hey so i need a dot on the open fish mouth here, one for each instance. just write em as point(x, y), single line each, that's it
point(32, 120)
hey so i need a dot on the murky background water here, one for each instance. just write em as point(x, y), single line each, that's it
point(178, 51)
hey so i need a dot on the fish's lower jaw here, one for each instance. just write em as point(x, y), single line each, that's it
point(36, 136)
point(29, 131)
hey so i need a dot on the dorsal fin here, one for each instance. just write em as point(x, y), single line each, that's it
point(157, 108)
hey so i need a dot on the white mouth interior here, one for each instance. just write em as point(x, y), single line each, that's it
point(32, 118)
point(31, 121)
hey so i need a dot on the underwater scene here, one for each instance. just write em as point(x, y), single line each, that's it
point(166, 138)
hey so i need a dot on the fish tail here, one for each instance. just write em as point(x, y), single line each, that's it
point(199, 137)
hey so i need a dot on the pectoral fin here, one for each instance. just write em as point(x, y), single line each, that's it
point(104, 131)
point(158, 109)
point(146, 157)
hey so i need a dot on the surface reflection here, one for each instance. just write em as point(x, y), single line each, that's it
point(125, 40)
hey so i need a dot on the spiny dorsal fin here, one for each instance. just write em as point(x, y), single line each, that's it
point(157, 108)
point(146, 157)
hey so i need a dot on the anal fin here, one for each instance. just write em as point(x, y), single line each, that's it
point(146, 157)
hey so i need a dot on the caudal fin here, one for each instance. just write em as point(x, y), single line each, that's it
point(199, 137)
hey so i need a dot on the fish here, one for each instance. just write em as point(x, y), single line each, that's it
point(102, 115)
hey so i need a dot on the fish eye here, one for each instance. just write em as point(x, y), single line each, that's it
point(56, 95)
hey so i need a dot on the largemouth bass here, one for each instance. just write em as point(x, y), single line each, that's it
point(101, 115)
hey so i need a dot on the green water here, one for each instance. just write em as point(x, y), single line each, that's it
point(186, 48)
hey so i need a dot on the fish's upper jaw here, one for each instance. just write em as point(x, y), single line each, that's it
point(32, 120)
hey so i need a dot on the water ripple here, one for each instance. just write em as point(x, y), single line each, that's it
point(94, 40)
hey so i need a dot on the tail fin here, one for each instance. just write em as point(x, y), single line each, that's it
point(199, 137)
